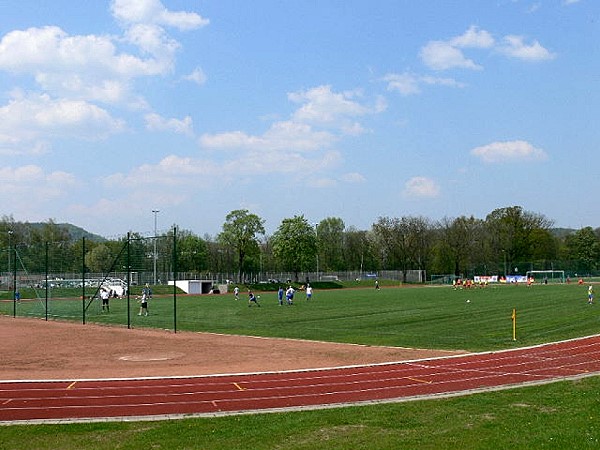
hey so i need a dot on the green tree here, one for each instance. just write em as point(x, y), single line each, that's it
point(100, 258)
point(359, 251)
point(330, 243)
point(387, 237)
point(295, 244)
point(584, 246)
point(240, 232)
point(417, 233)
point(459, 244)
point(544, 246)
point(60, 255)
point(192, 252)
point(510, 230)
point(405, 243)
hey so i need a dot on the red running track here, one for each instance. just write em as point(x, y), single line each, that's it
point(153, 398)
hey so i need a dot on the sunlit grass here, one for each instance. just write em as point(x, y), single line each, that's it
point(423, 317)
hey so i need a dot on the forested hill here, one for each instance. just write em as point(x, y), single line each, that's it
point(75, 232)
point(561, 233)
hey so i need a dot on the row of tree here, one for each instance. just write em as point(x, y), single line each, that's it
point(506, 239)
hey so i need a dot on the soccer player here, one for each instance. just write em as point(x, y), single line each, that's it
point(590, 295)
point(289, 295)
point(309, 291)
point(144, 303)
point(105, 296)
point(252, 299)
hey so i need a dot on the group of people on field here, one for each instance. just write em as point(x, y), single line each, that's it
point(106, 294)
point(287, 294)
point(468, 283)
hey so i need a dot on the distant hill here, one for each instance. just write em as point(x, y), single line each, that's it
point(561, 233)
point(74, 231)
point(78, 233)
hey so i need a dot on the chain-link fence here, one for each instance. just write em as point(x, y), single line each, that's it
point(94, 282)
point(106, 282)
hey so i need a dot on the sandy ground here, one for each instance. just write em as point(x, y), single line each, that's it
point(35, 349)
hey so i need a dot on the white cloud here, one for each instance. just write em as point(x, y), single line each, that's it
point(85, 67)
point(322, 183)
point(50, 49)
point(197, 76)
point(473, 38)
point(515, 47)
point(323, 118)
point(409, 84)
point(353, 178)
point(77, 72)
point(295, 165)
point(27, 119)
point(154, 12)
point(508, 151)
point(299, 147)
point(189, 175)
point(441, 55)
point(322, 106)
point(405, 83)
point(570, 2)
point(171, 171)
point(449, 54)
point(92, 67)
point(29, 188)
point(287, 135)
point(155, 122)
point(153, 40)
point(421, 187)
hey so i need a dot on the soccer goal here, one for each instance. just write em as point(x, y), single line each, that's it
point(550, 276)
point(442, 279)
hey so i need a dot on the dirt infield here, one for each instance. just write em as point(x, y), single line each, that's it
point(40, 350)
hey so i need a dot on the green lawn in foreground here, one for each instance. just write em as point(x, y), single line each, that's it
point(423, 317)
point(555, 416)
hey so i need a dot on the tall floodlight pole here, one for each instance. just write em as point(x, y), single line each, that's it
point(155, 256)
point(317, 238)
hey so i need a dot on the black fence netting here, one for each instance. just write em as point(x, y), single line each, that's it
point(128, 282)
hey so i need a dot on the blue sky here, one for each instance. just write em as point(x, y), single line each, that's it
point(350, 109)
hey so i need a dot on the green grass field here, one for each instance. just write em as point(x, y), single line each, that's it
point(423, 317)
point(558, 415)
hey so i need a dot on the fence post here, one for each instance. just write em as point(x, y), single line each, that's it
point(175, 279)
point(83, 279)
point(14, 274)
point(46, 275)
point(128, 279)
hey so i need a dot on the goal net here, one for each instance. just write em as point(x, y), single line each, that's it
point(547, 276)
point(442, 279)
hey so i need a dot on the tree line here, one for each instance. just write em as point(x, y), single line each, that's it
point(508, 240)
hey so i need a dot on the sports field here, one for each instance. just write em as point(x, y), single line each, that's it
point(471, 319)
point(475, 319)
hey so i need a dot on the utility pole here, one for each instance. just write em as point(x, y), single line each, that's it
point(155, 256)
point(317, 239)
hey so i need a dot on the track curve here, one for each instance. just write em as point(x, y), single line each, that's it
point(155, 398)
